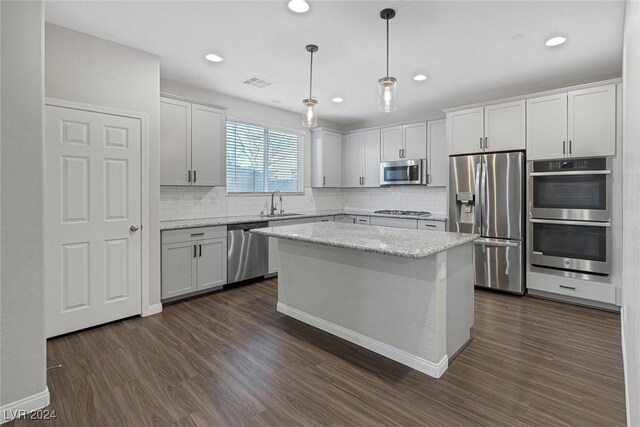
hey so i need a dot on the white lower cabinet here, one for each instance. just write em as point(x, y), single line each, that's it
point(587, 290)
point(394, 222)
point(432, 225)
point(193, 260)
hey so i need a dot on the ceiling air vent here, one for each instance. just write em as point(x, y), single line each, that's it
point(257, 82)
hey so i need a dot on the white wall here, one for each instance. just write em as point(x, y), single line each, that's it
point(201, 202)
point(86, 69)
point(22, 339)
point(631, 208)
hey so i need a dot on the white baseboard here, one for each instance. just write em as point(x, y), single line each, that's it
point(153, 309)
point(24, 406)
point(419, 364)
point(625, 363)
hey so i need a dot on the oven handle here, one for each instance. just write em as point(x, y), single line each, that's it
point(579, 223)
point(596, 172)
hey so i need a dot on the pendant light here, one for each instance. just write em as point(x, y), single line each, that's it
point(387, 96)
point(309, 114)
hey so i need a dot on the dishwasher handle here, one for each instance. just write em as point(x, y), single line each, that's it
point(247, 226)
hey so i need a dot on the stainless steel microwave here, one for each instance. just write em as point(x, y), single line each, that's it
point(404, 172)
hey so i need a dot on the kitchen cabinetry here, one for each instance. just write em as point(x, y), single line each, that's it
point(193, 260)
point(354, 219)
point(192, 144)
point(498, 127)
point(326, 158)
point(438, 156)
point(361, 159)
point(579, 123)
point(404, 142)
point(394, 222)
point(431, 225)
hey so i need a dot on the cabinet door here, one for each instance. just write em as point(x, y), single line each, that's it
point(504, 126)
point(592, 121)
point(438, 158)
point(175, 142)
point(207, 145)
point(332, 159)
point(178, 269)
point(465, 128)
point(391, 143)
point(371, 142)
point(212, 263)
point(352, 161)
point(415, 141)
point(547, 127)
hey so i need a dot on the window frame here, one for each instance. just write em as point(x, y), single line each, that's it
point(269, 128)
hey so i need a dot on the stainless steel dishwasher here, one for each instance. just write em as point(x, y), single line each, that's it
point(247, 253)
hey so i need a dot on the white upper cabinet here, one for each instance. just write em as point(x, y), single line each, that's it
point(592, 121)
point(579, 123)
point(404, 142)
point(499, 127)
point(547, 127)
point(175, 142)
point(391, 143)
point(353, 150)
point(465, 131)
point(438, 157)
point(371, 143)
point(192, 144)
point(208, 148)
point(415, 141)
point(504, 126)
point(326, 158)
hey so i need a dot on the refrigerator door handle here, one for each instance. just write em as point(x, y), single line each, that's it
point(476, 190)
point(485, 242)
point(483, 197)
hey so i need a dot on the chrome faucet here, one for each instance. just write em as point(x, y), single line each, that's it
point(273, 206)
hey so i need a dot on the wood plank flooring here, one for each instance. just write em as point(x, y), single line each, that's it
point(229, 359)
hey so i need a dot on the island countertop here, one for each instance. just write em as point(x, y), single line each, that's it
point(406, 243)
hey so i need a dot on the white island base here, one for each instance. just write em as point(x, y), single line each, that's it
point(418, 312)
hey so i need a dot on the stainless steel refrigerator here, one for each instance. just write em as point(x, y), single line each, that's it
point(486, 197)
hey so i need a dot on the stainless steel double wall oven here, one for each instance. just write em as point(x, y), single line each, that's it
point(570, 216)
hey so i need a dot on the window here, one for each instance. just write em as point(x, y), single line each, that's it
point(261, 160)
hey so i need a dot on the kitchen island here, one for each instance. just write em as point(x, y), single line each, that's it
point(405, 294)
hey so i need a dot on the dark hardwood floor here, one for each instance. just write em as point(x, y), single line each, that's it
point(230, 359)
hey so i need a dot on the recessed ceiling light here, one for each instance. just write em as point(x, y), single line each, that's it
point(337, 99)
point(298, 6)
point(213, 57)
point(555, 41)
point(420, 77)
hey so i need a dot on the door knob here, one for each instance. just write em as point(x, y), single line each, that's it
point(133, 227)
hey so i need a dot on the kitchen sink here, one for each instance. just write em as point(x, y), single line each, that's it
point(278, 215)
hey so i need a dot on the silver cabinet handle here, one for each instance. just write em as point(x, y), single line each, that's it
point(200, 250)
point(486, 142)
point(404, 153)
point(324, 181)
point(194, 176)
point(195, 250)
point(573, 288)
point(134, 227)
point(400, 152)
point(189, 176)
point(570, 147)
point(197, 234)
point(429, 225)
point(481, 143)
point(564, 149)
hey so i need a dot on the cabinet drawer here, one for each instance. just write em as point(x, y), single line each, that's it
point(425, 224)
point(594, 291)
point(188, 234)
point(394, 222)
point(364, 220)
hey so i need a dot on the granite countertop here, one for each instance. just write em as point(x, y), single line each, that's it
point(226, 220)
point(406, 243)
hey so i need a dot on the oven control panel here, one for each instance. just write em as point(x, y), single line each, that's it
point(598, 163)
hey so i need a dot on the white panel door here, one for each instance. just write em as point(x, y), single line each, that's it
point(212, 263)
point(175, 142)
point(332, 159)
point(371, 142)
point(92, 257)
point(208, 146)
point(353, 160)
point(465, 131)
point(438, 158)
point(391, 143)
point(547, 127)
point(592, 121)
point(415, 141)
point(504, 126)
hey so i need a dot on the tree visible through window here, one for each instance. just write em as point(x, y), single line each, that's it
point(260, 160)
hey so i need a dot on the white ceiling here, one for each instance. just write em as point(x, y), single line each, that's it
point(466, 48)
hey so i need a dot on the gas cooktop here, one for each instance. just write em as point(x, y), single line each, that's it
point(407, 213)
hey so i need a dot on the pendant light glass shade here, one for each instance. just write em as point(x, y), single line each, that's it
point(387, 97)
point(309, 115)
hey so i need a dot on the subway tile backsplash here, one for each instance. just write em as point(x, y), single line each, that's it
point(178, 202)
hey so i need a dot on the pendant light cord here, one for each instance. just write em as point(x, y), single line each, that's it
point(387, 47)
point(311, 75)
